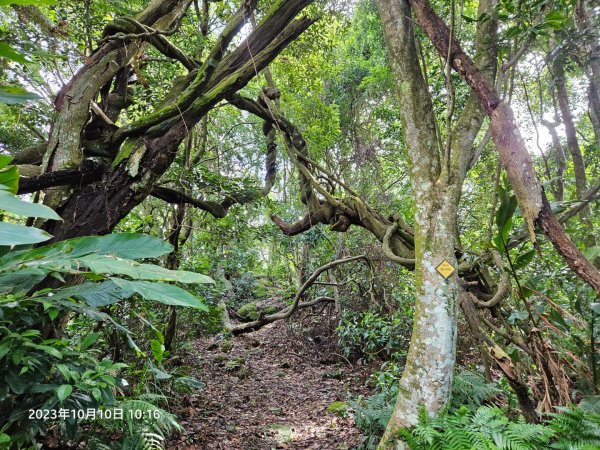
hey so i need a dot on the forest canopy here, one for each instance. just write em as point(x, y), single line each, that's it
point(299, 224)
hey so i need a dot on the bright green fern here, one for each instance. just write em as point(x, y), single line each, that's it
point(488, 428)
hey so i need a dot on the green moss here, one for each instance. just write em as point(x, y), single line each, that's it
point(339, 408)
point(235, 364)
point(248, 311)
point(270, 310)
point(124, 152)
point(226, 346)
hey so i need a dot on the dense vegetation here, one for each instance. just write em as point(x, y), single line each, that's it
point(184, 170)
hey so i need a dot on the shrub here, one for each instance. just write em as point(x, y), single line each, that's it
point(40, 370)
point(369, 335)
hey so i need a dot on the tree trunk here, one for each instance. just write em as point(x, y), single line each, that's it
point(586, 14)
point(572, 142)
point(150, 145)
point(427, 377)
point(73, 101)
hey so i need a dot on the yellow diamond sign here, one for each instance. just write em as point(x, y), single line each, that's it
point(445, 269)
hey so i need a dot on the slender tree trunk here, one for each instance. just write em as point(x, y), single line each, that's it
point(572, 142)
point(427, 377)
point(587, 17)
point(172, 263)
point(558, 155)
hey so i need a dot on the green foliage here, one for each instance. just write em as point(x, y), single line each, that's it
point(27, 2)
point(467, 425)
point(371, 416)
point(489, 428)
point(6, 51)
point(16, 234)
point(470, 389)
point(97, 259)
point(147, 425)
point(249, 311)
point(484, 429)
point(339, 408)
point(504, 215)
point(42, 372)
point(370, 335)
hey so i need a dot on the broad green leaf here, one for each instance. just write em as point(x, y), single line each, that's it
point(117, 266)
point(53, 313)
point(555, 20)
point(122, 245)
point(94, 294)
point(158, 350)
point(555, 15)
point(16, 383)
point(4, 438)
point(15, 205)
point(88, 340)
point(159, 374)
point(46, 349)
point(42, 388)
point(163, 293)
point(557, 319)
point(64, 370)
point(4, 349)
point(5, 160)
point(14, 95)
point(591, 252)
point(11, 234)
point(591, 404)
point(595, 307)
point(508, 205)
point(191, 382)
point(63, 392)
point(20, 281)
point(518, 315)
point(9, 177)
point(6, 51)
point(524, 259)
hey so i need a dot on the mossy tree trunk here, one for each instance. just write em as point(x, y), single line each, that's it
point(139, 153)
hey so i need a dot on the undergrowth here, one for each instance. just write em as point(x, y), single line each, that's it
point(471, 424)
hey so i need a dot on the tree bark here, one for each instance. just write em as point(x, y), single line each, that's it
point(587, 16)
point(97, 208)
point(427, 377)
point(562, 95)
point(73, 101)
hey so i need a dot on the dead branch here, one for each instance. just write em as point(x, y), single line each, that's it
point(286, 312)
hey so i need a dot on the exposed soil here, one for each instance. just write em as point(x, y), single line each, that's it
point(269, 390)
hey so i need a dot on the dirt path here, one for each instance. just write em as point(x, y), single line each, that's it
point(268, 390)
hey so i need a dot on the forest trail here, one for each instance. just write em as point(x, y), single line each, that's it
point(268, 390)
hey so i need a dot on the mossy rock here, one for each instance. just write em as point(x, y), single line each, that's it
point(249, 311)
point(339, 408)
point(270, 310)
point(259, 291)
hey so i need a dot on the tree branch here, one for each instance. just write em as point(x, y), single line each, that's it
point(89, 172)
point(289, 310)
point(510, 145)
